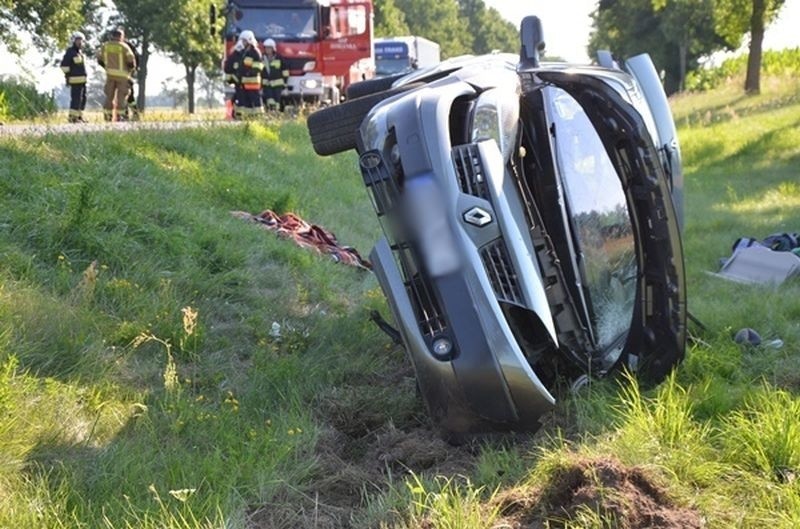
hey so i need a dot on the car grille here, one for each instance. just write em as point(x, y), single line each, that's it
point(469, 168)
point(501, 273)
point(385, 196)
point(496, 260)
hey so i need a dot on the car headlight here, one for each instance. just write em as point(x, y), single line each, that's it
point(310, 84)
point(310, 66)
point(497, 117)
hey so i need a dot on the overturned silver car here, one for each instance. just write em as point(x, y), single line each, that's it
point(531, 214)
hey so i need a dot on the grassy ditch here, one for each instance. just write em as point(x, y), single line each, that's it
point(141, 385)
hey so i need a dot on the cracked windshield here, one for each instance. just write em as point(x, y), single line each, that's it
point(600, 217)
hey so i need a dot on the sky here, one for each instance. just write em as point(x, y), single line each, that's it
point(566, 25)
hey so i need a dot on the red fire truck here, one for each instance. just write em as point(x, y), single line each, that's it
point(325, 44)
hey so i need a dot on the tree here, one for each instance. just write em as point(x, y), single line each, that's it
point(389, 20)
point(488, 29)
point(439, 21)
point(675, 33)
point(734, 18)
point(50, 23)
point(186, 37)
point(687, 24)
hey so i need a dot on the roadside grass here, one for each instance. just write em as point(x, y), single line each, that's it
point(141, 385)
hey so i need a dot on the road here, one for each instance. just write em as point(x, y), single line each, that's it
point(43, 129)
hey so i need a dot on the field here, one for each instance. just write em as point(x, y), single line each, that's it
point(164, 364)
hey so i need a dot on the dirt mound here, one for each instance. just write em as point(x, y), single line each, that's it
point(604, 491)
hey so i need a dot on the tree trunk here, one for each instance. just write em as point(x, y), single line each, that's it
point(190, 77)
point(141, 77)
point(683, 50)
point(752, 83)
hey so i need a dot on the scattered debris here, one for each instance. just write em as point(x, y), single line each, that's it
point(771, 260)
point(306, 235)
point(757, 264)
point(747, 336)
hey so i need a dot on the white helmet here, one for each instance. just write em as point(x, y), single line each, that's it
point(76, 35)
point(269, 43)
point(248, 36)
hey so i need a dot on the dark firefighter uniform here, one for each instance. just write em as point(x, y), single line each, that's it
point(249, 75)
point(74, 67)
point(230, 68)
point(273, 80)
point(133, 105)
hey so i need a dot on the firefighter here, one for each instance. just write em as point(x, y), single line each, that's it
point(249, 75)
point(273, 78)
point(132, 109)
point(74, 67)
point(230, 69)
point(119, 61)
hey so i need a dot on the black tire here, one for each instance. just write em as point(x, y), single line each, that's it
point(335, 129)
point(371, 86)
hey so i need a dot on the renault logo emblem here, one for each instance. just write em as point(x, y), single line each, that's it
point(477, 217)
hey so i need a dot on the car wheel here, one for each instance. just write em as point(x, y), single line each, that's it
point(335, 129)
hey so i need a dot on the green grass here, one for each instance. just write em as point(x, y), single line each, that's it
point(140, 385)
point(110, 400)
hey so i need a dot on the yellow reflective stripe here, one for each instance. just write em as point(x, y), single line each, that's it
point(258, 65)
point(77, 79)
point(114, 57)
point(65, 69)
point(248, 61)
point(285, 73)
point(251, 80)
point(277, 82)
point(78, 59)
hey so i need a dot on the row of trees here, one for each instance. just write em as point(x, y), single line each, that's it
point(459, 26)
point(181, 28)
point(676, 33)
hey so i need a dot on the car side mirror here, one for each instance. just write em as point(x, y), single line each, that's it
point(531, 43)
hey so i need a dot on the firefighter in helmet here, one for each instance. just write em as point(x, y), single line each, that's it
point(249, 75)
point(273, 78)
point(230, 68)
point(74, 67)
point(119, 62)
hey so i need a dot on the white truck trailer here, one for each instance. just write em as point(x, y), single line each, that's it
point(398, 55)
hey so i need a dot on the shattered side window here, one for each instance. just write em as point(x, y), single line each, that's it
point(604, 235)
